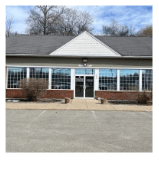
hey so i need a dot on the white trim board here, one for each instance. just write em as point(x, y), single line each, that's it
point(80, 67)
point(52, 56)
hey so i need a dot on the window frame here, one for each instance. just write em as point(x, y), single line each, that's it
point(17, 76)
point(131, 82)
point(84, 71)
point(148, 90)
point(39, 73)
point(109, 80)
point(72, 75)
point(60, 78)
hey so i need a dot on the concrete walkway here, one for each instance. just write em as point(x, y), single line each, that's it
point(78, 104)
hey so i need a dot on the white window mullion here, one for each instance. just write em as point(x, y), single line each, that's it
point(10, 81)
point(17, 79)
point(28, 73)
point(84, 89)
point(13, 77)
point(72, 78)
point(50, 77)
point(140, 80)
point(118, 80)
point(96, 80)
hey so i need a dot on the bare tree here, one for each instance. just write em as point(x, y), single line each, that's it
point(75, 22)
point(146, 31)
point(42, 19)
point(9, 22)
point(46, 20)
point(85, 21)
point(115, 29)
point(15, 33)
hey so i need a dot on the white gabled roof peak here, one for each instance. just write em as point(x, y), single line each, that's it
point(85, 45)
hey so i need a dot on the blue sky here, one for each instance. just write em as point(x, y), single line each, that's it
point(138, 16)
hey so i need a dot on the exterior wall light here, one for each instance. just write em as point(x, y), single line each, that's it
point(85, 62)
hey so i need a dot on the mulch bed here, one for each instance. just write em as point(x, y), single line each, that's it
point(40, 100)
point(126, 102)
point(54, 100)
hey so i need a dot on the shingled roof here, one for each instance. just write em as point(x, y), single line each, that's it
point(44, 45)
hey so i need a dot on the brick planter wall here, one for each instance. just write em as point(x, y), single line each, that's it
point(59, 94)
point(14, 93)
point(109, 95)
point(119, 95)
point(17, 93)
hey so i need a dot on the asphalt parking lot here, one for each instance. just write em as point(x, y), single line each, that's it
point(78, 131)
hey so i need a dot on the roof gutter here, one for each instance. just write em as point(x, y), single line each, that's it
point(67, 56)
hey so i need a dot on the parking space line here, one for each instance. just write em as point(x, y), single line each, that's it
point(41, 113)
point(146, 114)
point(94, 116)
point(97, 121)
point(28, 125)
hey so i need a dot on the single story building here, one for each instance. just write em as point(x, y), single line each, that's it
point(83, 66)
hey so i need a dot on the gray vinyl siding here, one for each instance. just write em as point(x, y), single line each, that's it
point(76, 62)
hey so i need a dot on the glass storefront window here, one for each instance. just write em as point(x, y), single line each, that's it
point(107, 79)
point(84, 71)
point(147, 80)
point(14, 75)
point(61, 79)
point(39, 73)
point(129, 79)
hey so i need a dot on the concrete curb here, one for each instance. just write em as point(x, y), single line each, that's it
point(80, 106)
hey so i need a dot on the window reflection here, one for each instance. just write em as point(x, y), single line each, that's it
point(129, 79)
point(107, 79)
point(147, 80)
point(39, 73)
point(61, 79)
point(84, 71)
point(14, 75)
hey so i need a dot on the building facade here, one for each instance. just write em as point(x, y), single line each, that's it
point(85, 66)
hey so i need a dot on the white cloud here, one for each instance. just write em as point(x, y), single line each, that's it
point(19, 16)
point(17, 12)
point(138, 16)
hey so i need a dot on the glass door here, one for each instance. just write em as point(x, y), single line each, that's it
point(79, 86)
point(89, 86)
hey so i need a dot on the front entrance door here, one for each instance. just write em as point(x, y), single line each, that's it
point(89, 86)
point(84, 86)
point(79, 86)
